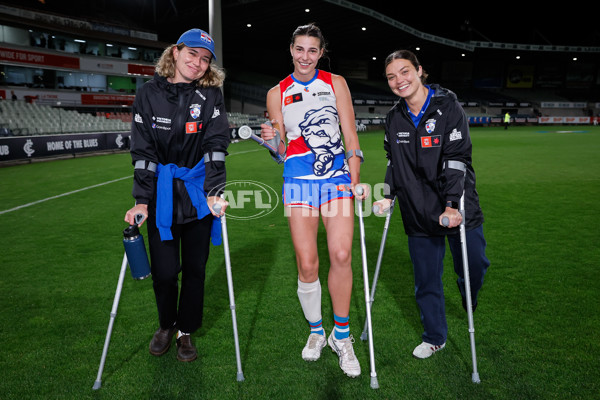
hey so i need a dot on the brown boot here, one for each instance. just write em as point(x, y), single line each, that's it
point(161, 341)
point(186, 351)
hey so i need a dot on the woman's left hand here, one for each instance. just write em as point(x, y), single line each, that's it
point(212, 200)
point(365, 191)
point(453, 215)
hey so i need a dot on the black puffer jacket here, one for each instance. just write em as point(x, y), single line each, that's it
point(178, 124)
point(417, 157)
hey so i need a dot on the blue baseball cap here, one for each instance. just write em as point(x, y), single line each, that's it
point(198, 38)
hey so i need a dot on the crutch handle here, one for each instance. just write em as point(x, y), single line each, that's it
point(245, 132)
point(139, 218)
point(376, 209)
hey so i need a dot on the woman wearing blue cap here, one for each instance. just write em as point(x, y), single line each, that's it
point(179, 140)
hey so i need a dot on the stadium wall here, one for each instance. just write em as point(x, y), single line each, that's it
point(34, 147)
point(29, 148)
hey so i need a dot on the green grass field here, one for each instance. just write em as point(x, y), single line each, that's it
point(536, 326)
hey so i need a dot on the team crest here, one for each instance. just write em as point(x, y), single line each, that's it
point(430, 125)
point(195, 110)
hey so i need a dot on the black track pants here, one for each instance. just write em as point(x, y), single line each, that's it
point(186, 253)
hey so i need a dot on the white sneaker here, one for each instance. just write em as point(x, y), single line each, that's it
point(425, 350)
point(348, 361)
point(314, 345)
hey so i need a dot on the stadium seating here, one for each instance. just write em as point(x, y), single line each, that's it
point(237, 119)
point(19, 118)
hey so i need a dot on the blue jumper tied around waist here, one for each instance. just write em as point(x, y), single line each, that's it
point(194, 183)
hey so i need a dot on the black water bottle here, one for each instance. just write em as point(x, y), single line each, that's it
point(136, 251)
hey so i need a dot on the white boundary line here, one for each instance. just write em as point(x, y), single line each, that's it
point(63, 194)
point(86, 188)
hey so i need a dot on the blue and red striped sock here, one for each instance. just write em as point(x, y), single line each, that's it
point(342, 327)
point(317, 327)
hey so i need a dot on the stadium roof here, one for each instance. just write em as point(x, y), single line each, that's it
point(358, 30)
point(516, 23)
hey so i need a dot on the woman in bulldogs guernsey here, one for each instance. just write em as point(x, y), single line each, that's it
point(321, 172)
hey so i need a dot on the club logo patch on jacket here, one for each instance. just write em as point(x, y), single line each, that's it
point(430, 125)
point(195, 110)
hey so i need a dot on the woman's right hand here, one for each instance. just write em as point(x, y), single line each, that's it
point(383, 205)
point(268, 132)
point(137, 209)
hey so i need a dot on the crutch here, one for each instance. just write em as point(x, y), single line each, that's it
point(389, 211)
point(463, 244)
point(113, 313)
point(374, 382)
point(217, 209)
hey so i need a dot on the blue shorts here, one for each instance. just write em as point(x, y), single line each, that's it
point(313, 193)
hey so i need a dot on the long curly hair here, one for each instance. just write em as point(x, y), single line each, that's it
point(214, 75)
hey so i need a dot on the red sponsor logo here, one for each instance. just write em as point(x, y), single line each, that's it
point(191, 127)
point(294, 98)
point(430, 141)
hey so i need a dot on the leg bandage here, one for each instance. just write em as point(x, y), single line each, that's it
point(309, 295)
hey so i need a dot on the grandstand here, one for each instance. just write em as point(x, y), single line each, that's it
point(19, 118)
point(75, 73)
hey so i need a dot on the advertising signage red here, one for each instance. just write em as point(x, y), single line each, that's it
point(38, 58)
point(139, 69)
point(106, 99)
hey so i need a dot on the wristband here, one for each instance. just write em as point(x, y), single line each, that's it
point(357, 153)
point(452, 204)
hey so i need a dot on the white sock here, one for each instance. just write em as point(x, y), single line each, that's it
point(180, 334)
point(309, 295)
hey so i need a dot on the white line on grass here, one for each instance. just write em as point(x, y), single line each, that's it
point(63, 194)
point(86, 188)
